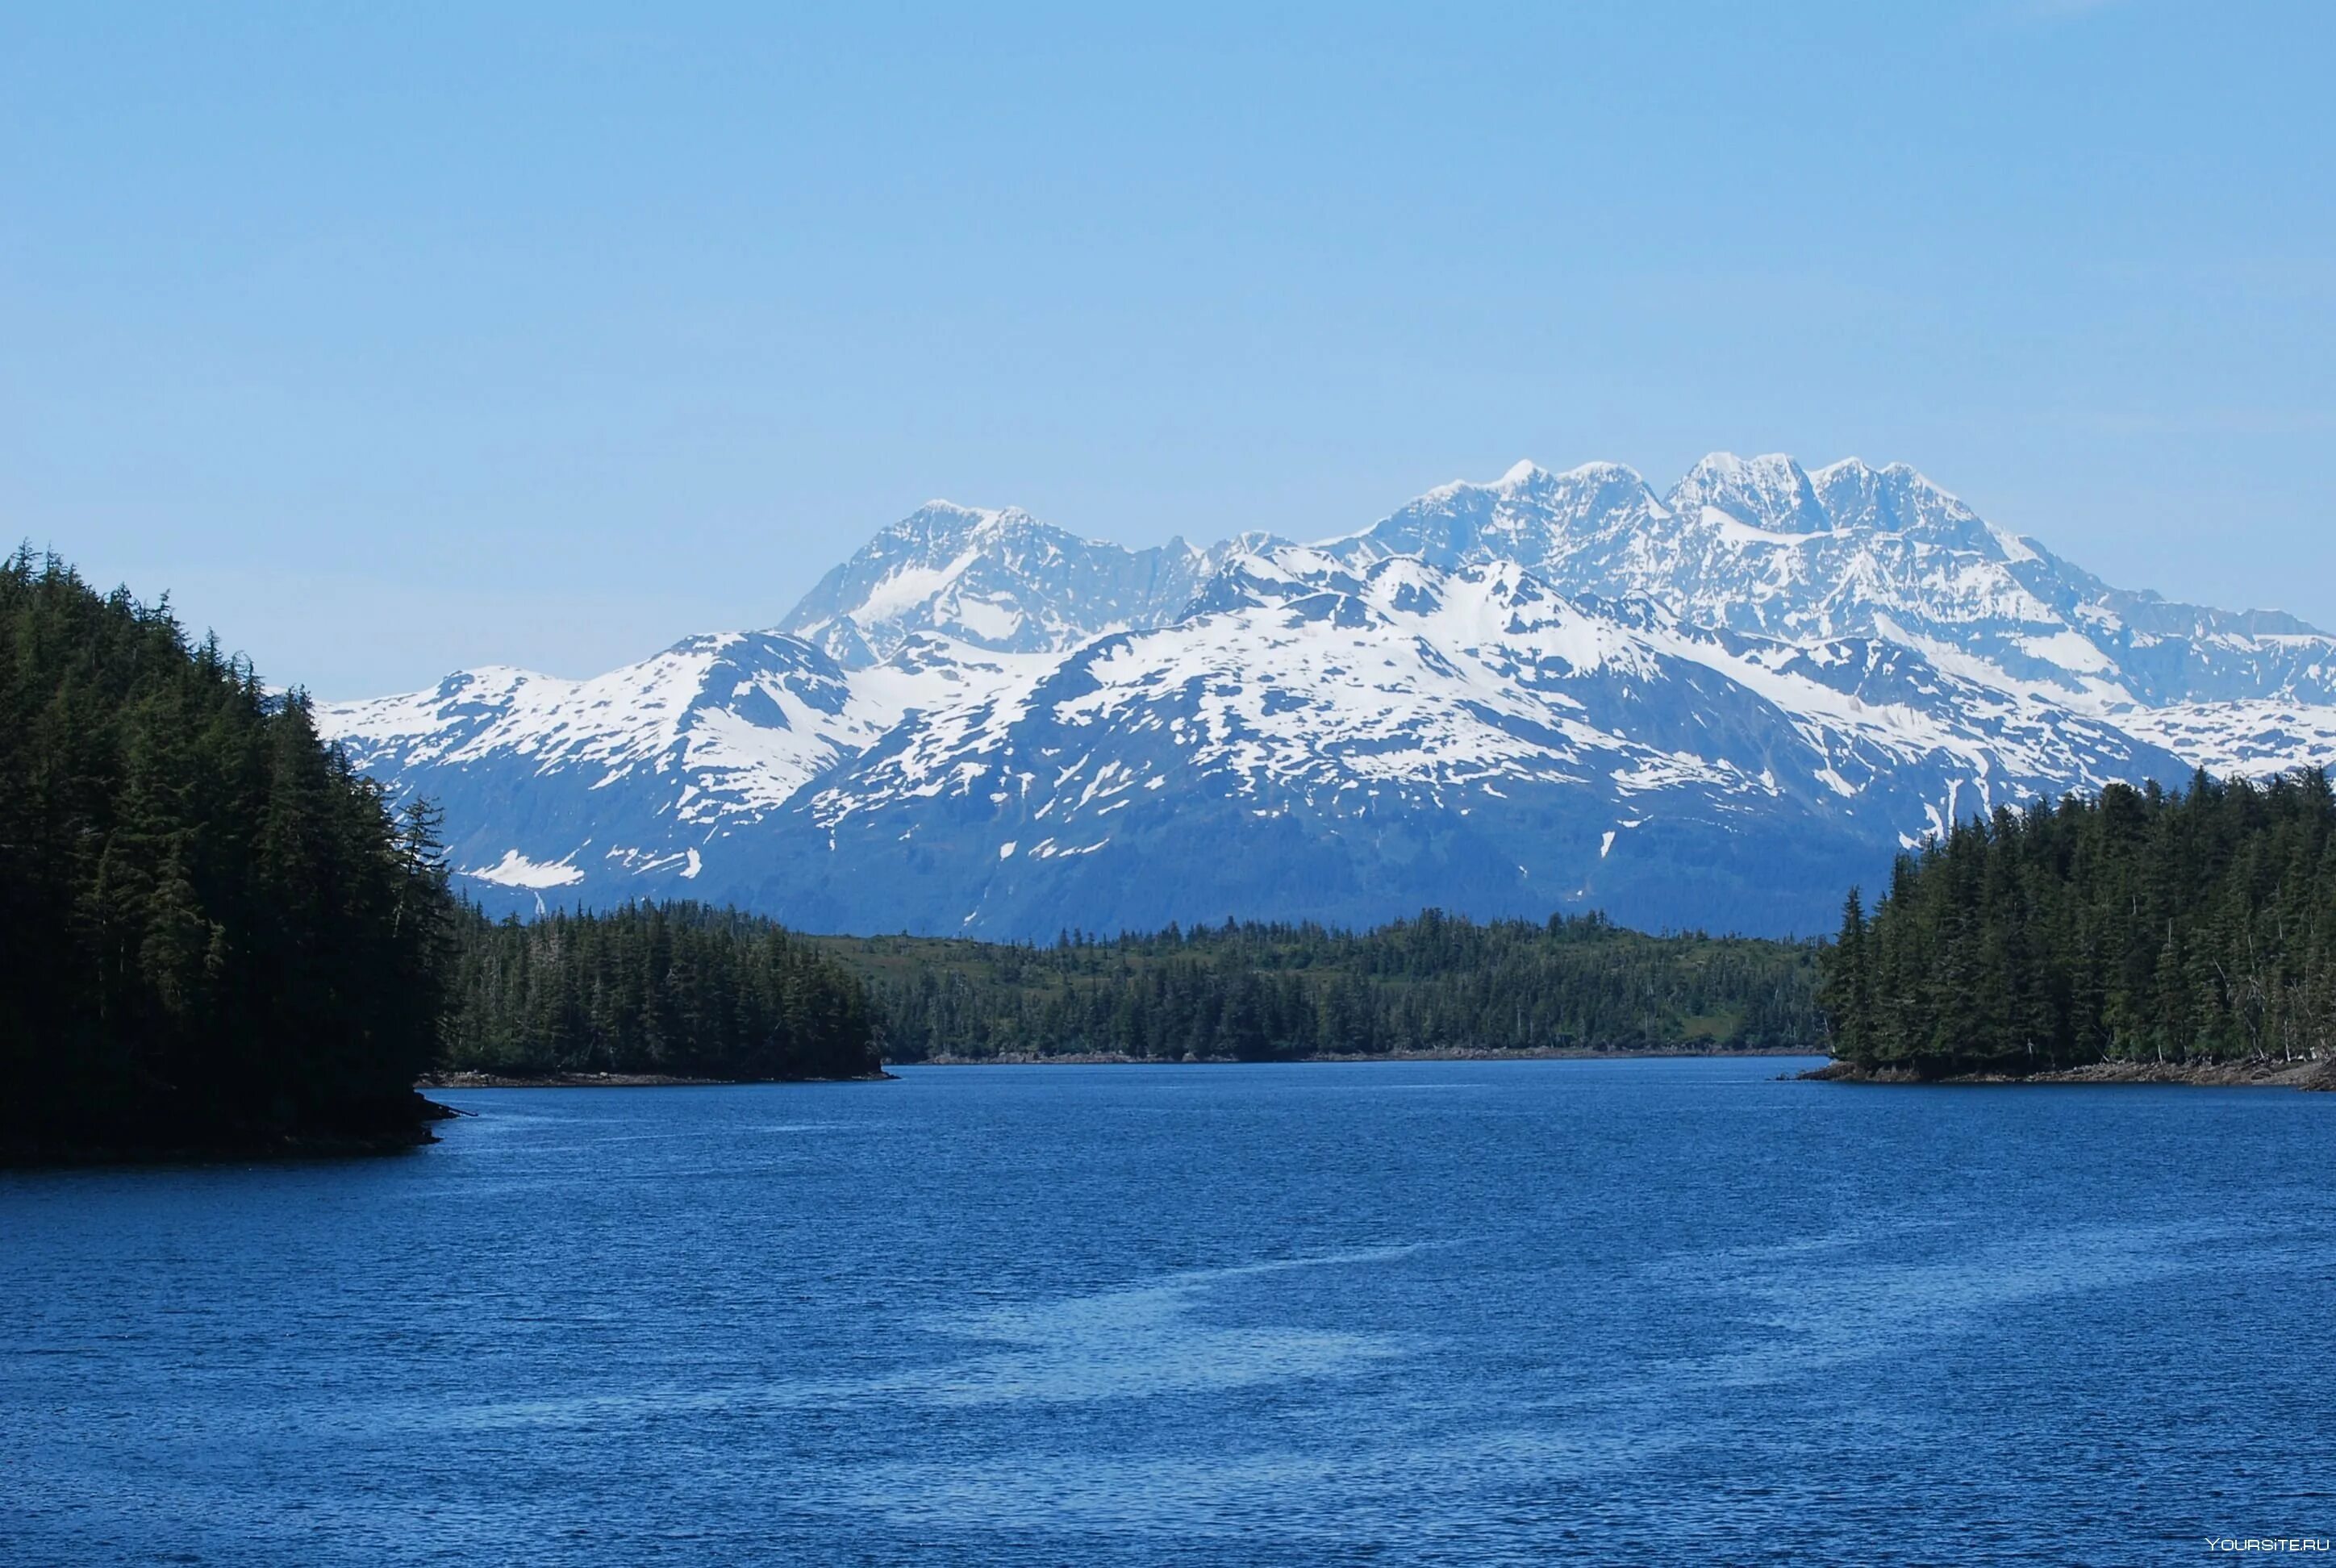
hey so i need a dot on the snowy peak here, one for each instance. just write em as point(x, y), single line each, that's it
point(1772, 492)
point(995, 579)
point(769, 708)
point(1529, 515)
point(1765, 547)
point(1896, 499)
point(642, 765)
point(942, 522)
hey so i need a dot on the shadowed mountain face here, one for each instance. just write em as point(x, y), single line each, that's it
point(1716, 707)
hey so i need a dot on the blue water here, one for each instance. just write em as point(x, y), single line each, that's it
point(1469, 1313)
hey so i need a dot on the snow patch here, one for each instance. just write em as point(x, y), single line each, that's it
point(516, 870)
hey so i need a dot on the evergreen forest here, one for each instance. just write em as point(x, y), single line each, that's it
point(2141, 925)
point(1256, 992)
point(214, 932)
point(676, 989)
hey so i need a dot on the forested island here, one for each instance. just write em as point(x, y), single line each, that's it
point(2166, 933)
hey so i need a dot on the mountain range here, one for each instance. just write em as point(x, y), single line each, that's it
point(1717, 708)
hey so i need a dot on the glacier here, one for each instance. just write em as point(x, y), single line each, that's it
point(1717, 708)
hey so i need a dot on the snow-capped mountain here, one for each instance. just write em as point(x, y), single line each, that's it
point(1762, 546)
point(1335, 744)
point(1001, 580)
point(1720, 707)
point(549, 784)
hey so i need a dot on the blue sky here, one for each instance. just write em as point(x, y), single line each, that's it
point(396, 342)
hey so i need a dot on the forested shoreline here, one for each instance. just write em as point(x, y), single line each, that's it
point(571, 995)
point(216, 933)
point(2141, 926)
point(1260, 991)
point(680, 991)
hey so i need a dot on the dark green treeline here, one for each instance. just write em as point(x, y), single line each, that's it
point(668, 989)
point(2140, 925)
point(1262, 991)
point(213, 930)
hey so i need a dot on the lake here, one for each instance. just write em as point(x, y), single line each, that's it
point(1666, 1311)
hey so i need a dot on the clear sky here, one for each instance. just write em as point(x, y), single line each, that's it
point(399, 341)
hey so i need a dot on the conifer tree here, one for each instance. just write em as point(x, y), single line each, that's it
point(2137, 924)
point(192, 894)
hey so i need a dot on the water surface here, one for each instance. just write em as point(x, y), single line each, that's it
point(1470, 1312)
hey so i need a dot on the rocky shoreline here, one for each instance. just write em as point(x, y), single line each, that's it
point(2262, 1072)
